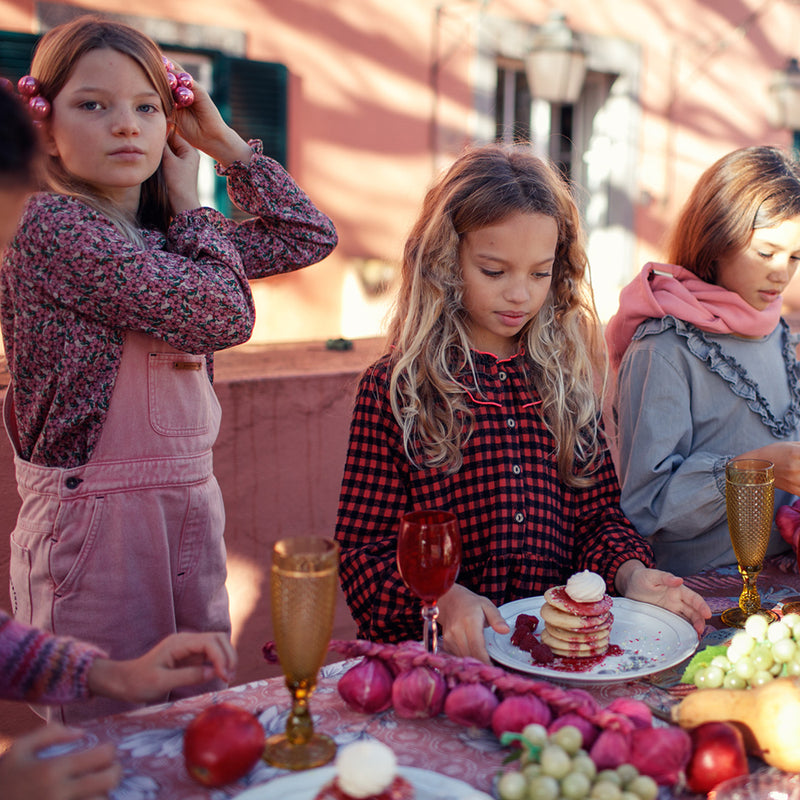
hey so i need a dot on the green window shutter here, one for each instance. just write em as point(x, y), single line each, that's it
point(16, 52)
point(252, 97)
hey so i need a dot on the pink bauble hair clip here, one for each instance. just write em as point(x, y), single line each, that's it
point(180, 83)
point(29, 88)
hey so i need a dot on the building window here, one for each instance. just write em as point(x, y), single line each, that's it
point(562, 136)
point(514, 108)
point(512, 105)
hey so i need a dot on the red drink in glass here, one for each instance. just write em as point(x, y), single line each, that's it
point(429, 557)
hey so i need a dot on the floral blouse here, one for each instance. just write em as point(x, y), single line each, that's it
point(71, 285)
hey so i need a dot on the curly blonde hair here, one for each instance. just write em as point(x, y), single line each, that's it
point(428, 332)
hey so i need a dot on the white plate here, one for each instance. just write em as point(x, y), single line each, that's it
point(304, 785)
point(651, 639)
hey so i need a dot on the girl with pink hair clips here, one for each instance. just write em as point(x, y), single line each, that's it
point(115, 291)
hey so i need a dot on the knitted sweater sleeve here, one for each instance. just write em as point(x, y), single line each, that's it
point(37, 666)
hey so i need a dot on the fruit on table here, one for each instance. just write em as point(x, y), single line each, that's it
point(768, 716)
point(718, 754)
point(222, 743)
point(755, 655)
point(555, 766)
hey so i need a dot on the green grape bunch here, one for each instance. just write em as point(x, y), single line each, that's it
point(757, 654)
point(556, 767)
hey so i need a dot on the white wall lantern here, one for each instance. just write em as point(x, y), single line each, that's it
point(784, 92)
point(556, 63)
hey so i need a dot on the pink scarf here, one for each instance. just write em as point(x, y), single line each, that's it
point(665, 289)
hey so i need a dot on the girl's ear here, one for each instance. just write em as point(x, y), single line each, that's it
point(46, 138)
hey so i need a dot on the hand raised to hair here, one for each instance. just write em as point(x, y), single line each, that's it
point(179, 166)
point(202, 126)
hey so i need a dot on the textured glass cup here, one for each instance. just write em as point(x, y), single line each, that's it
point(429, 557)
point(304, 579)
point(750, 502)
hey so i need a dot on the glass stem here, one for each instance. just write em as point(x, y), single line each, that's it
point(299, 725)
point(429, 637)
point(749, 600)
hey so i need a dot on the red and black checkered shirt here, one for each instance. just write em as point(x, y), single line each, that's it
point(522, 529)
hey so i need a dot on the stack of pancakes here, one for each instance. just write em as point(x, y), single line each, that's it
point(575, 630)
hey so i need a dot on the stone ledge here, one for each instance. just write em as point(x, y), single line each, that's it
point(260, 361)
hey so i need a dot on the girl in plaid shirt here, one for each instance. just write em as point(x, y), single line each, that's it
point(485, 405)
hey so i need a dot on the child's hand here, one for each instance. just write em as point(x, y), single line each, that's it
point(179, 166)
point(664, 589)
point(85, 774)
point(202, 126)
point(182, 659)
point(463, 616)
point(786, 458)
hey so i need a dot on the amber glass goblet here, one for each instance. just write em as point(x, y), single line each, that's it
point(303, 591)
point(429, 557)
point(750, 502)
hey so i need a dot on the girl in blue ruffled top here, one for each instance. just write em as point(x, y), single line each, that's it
point(707, 366)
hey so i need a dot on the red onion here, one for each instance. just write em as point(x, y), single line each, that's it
point(471, 704)
point(588, 731)
point(661, 753)
point(367, 687)
point(635, 710)
point(418, 693)
point(517, 711)
point(787, 521)
point(610, 749)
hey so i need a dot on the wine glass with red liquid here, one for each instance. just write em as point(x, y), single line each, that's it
point(429, 557)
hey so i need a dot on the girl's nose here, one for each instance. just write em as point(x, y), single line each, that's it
point(518, 291)
point(782, 270)
point(125, 122)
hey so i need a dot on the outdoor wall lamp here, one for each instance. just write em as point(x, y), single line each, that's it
point(556, 63)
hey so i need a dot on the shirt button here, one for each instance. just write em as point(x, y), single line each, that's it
point(519, 517)
point(512, 423)
point(73, 482)
point(502, 376)
point(516, 469)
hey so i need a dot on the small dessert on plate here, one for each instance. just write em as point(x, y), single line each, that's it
point(577, 617)
point(366, 770)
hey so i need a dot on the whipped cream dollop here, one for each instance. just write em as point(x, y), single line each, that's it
point(365, 768)
point(586, 587)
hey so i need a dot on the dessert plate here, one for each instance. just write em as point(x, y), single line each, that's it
point(304, 786)
point(651, 640)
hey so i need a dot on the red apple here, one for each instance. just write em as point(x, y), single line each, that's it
point(718, 753)
point(221, 744)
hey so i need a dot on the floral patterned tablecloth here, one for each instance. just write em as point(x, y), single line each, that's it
point(150, 741)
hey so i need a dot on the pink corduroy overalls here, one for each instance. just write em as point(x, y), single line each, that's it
point(128, 548)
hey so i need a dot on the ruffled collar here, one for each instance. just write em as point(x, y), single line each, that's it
point(706, 349)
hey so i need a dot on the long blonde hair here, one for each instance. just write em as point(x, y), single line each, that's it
point(428, 331)
point(53, 61)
